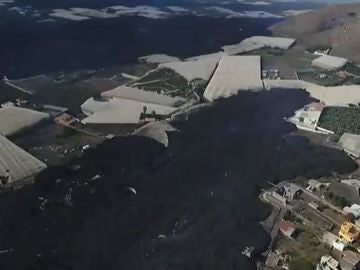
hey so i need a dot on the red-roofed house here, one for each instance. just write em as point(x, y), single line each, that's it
point(287, 228)
point(315, 106)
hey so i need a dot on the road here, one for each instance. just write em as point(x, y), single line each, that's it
point(317, 198)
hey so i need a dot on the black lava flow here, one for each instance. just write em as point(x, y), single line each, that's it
point(195, 206)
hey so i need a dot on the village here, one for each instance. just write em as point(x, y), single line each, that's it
point(318, 222)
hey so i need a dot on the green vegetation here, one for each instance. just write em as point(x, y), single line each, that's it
point(341, 119)
point(338, 201)
point(267, 52)
point(168, 82)
point(292, 218)
point(301, 264)
point(312, 75)
point(352, 68)
point(7, 93)
point(286, 61)
point(69, 95)
point(198, 85)
point(164, 80)
point(353, 81)
point(306, 250)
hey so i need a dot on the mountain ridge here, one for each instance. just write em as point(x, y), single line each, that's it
point(337, 26)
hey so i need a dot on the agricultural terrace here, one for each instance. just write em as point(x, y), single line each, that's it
point(352, 69)
point(341, 119)
point(306, 251)
point(321, 77)
point(286, 61)
point(167, 81)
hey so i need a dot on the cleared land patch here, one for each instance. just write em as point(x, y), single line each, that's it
point(306, 250)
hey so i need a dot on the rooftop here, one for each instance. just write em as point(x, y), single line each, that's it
point(133, 93)
point(16, 163)
point(329, 62)
point(258, 42)
point(330, 262)
point(350, 143)
point(120, 111)
point(287, 228)
point(14, 119)
point(291, 191)
point(307, 119)
point(234, 73)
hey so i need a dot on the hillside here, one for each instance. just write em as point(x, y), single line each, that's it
point(336, 25)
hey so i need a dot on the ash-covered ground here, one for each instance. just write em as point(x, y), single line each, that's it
point(196, 205)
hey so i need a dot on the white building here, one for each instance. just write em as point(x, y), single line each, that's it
point(306, 120)
point(308, 117)
point(328, 263)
